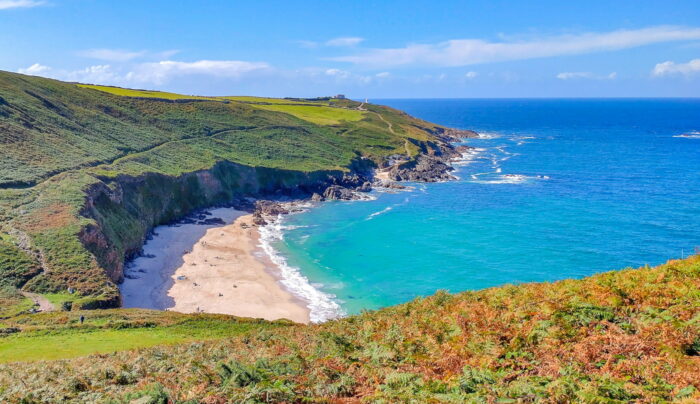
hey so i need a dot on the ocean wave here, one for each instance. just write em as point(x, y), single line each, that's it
point(375, 214)
point(488, 135)
point(321, 305)
point(508, 179)
point(467, 157)
point(693, 134)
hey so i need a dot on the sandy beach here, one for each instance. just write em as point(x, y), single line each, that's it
point(211, 269)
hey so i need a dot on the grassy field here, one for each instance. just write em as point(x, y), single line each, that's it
point(59, 335)
point(320, 115)
point(128, 92)
point(616, 337)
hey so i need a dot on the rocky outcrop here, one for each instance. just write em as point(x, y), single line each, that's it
point(423, 169)
point(336, 192)
point(455, 135)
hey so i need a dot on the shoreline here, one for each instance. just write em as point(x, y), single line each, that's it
point(213, 269)
point(230, 267)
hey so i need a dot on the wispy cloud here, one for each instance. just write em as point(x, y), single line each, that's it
point(161, 72)
point(471, 75)
point(671, 68)
point(8, 4)
point(111, 55)
point(463, 52)
point(35, 70)
point(585, 75)
point(348, 41)
point(344, 41)
point(123, 55)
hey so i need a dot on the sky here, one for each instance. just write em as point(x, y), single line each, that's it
point(364, 49)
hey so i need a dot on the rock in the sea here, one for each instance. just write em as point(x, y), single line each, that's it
point(424, 169)
point(316, 197)
point(267, 209)
point(336, 192)
point(388, 184)
point(365, 187)
point(457, 134)
point(270, 208)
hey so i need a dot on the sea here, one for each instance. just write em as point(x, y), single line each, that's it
point(553, 189)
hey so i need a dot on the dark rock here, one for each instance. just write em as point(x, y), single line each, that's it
point(316, 197)
point(9, 330)
point(212, 220)
point(267, 209)
point(458, 134)
point(336, 192)
point(388, 184)
point(365, 187)
point(424, 169)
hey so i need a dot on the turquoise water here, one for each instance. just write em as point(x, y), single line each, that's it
point(559, 189)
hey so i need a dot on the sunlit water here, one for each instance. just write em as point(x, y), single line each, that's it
point(558, 189)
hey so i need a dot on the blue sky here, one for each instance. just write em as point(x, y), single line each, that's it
point(375, 49)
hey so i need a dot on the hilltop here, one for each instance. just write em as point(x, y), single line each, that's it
point(86, 171)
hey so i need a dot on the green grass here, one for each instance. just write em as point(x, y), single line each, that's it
point(267, 100)
point(127, 92)
point(50, 336)
point(320, 115)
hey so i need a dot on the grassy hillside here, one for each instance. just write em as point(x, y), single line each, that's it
point(86, 170)
point(617, 337)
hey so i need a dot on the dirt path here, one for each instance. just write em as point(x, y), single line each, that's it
point(44, 303)
point(391, 127)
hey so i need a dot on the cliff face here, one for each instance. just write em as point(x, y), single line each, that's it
point(126, 208)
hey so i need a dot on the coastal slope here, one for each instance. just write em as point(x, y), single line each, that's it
point(624, 336)
point(87, 171)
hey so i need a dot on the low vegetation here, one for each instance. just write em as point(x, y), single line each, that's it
point(625, 336)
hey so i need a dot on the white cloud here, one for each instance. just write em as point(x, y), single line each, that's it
point(121, 55)
point(98, 74)
point(347, 41)
point(585, 75)
point(8, 4)
point(35, 70)
point(161, 72)
point(574, 75)
point(337, 73)
point(344, 41)
point(463, 52)
point(672, 68)
point(156, 73)
point(471, 75)
point(111, 55)
point(383, 75)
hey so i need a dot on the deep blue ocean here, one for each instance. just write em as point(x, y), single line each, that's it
point(557, 189)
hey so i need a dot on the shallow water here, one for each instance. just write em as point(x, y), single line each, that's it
point(558, 189)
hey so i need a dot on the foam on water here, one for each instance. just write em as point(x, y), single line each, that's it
point(321, 305)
